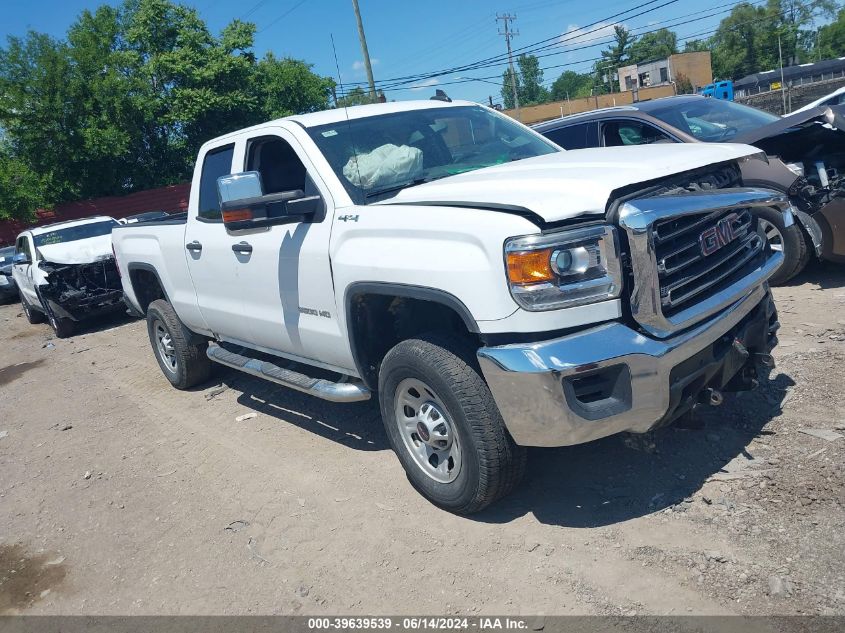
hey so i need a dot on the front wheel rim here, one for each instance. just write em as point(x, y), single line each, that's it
point(773, 234)
point(164, 346)
point(428, 433)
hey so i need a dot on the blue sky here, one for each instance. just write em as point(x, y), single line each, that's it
point(409, 37)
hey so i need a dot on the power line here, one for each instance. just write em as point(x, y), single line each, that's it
point(254, 8)
point(573, 33)
point(681, 40)
point(285, 14)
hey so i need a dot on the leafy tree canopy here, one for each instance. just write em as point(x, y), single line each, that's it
point(571, 85)
point(124, 102)
point(529, 83)
point(651, 46)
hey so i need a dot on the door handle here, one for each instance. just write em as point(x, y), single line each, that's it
point(194, 247)
point(243, 248)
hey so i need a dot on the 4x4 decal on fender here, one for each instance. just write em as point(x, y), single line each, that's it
point(348, 218)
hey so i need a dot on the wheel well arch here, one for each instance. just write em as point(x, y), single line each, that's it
point(146, 284)
point(380, 315)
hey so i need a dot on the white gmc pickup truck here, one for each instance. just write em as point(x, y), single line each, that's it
point(495, 291)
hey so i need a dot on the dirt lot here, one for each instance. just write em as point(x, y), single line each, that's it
point(120, 495)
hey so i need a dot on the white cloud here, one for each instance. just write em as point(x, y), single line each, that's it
point(425, 84)
point(574, 35)
point(358, 65)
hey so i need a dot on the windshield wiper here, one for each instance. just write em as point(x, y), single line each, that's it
point(404, 185)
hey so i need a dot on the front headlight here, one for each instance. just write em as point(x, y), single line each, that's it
point(796, 168)
point(565, 269)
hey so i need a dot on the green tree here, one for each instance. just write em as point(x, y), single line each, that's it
point(651, 46)
point(683, 85)
point(355, 97)
point(22, 190)
point(288, 86)
point(617, 55)
point(531, 74)
point(529, 83)
point(831, 38)
point(696, 46)
point(127, 99)
point(507, 88)
point(790, 20)
point(571, 85)
point(738, 42)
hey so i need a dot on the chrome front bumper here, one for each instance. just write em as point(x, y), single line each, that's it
point(533, 383)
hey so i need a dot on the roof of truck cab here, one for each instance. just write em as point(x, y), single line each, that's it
point(327, 117)
point(338, 115)
point(46, 228)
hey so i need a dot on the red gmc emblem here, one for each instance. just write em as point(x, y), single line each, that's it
point(722, 234)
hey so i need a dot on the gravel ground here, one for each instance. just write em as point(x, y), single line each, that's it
point(120, 495)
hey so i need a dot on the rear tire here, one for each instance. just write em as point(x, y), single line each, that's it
point(789, 240)
point(444, 426)
point(806, 255)
point(180, 353)
point(32, 315)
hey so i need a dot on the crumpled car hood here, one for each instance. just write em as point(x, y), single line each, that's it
point(830, 115)
point(85, 251)
point(569, 184)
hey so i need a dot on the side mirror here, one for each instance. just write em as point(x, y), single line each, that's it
point(244, 205)
point(21, 258)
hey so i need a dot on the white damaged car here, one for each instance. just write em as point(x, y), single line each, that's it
point(65, 272)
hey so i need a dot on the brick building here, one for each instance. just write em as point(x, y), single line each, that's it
point(694, 66)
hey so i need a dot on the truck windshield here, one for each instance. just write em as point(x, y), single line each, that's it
point(73, 233)
point(376, 157)
point(712, 120)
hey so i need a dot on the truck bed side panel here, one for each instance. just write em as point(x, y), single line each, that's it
point(160, 247)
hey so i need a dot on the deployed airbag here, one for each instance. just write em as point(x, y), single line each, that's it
point(384, 166)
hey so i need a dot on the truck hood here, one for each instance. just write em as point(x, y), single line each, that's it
point(568, 184)
point(85, 251)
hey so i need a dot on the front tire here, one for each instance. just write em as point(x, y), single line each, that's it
point(32, 315)
point(444, 426)
point(787, 239)
point(180, 353)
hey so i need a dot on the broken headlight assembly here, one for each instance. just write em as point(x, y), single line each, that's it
point(564, 269)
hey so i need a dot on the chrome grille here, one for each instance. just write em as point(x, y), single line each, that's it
point(685, 263)
point(685, 272)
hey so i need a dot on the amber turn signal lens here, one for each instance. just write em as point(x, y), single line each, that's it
point(530, 267)
point(237, 215)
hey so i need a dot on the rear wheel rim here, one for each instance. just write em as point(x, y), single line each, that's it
point(164, 346)
point(428, 434)
point(773, 234)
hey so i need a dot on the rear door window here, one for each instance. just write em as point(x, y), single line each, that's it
point(217, 162)
point(617, 133)
point(570, 137)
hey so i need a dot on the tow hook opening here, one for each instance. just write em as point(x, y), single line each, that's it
point(711, 396)
point(766, 360)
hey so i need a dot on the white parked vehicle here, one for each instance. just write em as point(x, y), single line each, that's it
point(496, 292)
point(65, 272)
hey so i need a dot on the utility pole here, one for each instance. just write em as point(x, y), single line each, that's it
point(508, 32)
point(782, 87)
point(364, 50)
